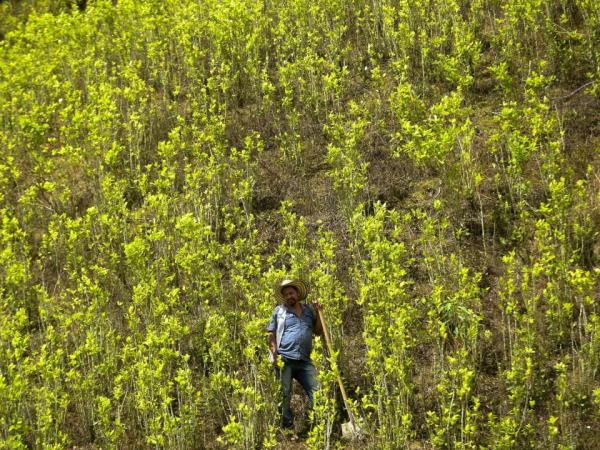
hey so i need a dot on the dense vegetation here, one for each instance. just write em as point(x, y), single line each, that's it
point(431, 168)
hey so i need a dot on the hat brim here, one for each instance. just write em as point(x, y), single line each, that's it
point(301, 286)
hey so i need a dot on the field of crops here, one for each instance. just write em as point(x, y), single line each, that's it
point(432, 169)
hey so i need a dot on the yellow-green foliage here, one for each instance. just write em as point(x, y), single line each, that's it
point(430, 168)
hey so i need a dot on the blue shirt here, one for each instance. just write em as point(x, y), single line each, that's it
point(296, 340)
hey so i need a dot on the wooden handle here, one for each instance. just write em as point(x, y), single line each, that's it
point(339, 378)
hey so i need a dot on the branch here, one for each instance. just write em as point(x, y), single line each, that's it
point(564, 97)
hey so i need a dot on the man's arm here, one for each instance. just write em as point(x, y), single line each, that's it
point(318, 329)
point(272, 341)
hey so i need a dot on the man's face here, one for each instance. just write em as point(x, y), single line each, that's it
point(290, 295)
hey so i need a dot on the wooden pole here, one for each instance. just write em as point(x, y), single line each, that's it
point(339, 378)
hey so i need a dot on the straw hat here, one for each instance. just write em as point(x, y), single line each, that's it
point(301, 286)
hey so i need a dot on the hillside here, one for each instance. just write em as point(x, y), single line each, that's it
point(432, 169)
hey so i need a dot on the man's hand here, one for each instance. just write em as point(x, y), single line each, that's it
point(276, 359)
point(274, 353)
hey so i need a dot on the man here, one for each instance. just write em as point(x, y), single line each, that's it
point(290, 338)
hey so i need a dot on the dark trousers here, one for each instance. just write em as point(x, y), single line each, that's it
point(305, 373)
